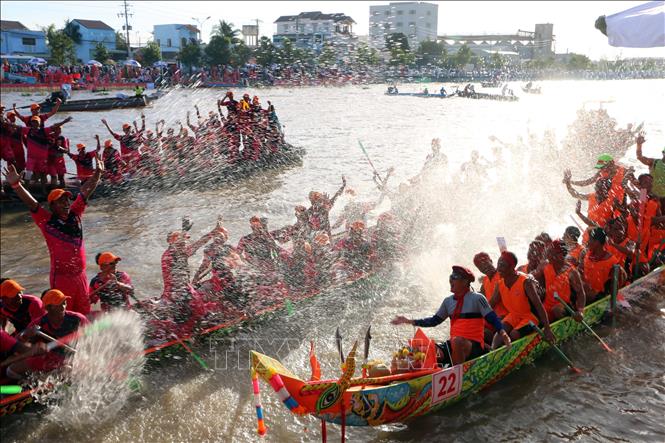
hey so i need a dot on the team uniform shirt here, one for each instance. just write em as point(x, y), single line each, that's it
point(38, 149)
point(175, 272)
point(64, 238)
point(26, 119)
point(111, 298)
point(31, 308)
point(83, 161)
point(54, 359)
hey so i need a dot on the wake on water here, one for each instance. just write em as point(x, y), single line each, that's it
point(102, 374)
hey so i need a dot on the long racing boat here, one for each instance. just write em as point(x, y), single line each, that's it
point(375, 401)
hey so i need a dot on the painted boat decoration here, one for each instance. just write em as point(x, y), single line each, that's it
point(397, 398)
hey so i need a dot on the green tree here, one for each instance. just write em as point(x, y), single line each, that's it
point(328, 56)
point(151, 53)
point(397, 40)
point(120, 41)
point(61, 46)
point(225, 30)
point(73, 31)
point(218, 51)
point(578, 62)
point(497, 61)
point(287, 53)
point(462, 57)
point(366, 56)
point(190, 55)
point(431, 53)
point(266, 53)
point(100, 53)
point(240, 54)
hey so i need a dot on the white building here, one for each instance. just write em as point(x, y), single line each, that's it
point(312, 29)
point(417, 20)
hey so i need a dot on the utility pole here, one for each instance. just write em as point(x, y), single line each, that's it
point(126, 27)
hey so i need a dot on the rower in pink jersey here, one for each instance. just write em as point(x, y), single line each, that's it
point(63, 233)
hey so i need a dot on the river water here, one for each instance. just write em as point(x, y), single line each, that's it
point(620, 397)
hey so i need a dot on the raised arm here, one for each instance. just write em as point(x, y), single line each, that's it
point(14, 180)
point(60, 123)
point(99, 144)
point(198, 113)
point(190, 124)
point(15, 110)
point(205, 264)
point(108, 127)
point(55, 109)
point(571, 190)
point(585, 219)
point(89, 186)
point(644, 160)
point(339, 192)
point(587, 181)
point(142, 122)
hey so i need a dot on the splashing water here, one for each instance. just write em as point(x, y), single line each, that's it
point(105, 369)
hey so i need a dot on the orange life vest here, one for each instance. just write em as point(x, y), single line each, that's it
point(488, 286)
point(469, 326)
point(576, 251)
point(599, 212)
point(597, 273)
point(517, 303)
point(620, 256)
point(556, 283)
point(616, 188)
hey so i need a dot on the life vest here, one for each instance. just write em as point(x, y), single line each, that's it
point(559, 284)
point(516, 302)
point(469, 325)
point(576, 251)
point(620, 256)
point(616, 188)
point(599, 212)
point(597, 273)
point(488, 286)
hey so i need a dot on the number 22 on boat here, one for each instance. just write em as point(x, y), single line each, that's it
point(446, 384)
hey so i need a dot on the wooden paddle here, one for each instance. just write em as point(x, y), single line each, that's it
point(586, 325)
point(557, 349)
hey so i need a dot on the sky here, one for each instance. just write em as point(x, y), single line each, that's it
point(573, 20)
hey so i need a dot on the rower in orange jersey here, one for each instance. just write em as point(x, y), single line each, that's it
point(619, 244)
point(488, 282)
point(518, 292)
point(608, 169)
point(535, 256)
point(600, 204)
point(570, 237)
point(596, 266)
point(563, 279)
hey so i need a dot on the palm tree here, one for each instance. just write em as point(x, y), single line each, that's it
point(73, 31)
point(226, 31)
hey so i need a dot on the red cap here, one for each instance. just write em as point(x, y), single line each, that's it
point(464, 272)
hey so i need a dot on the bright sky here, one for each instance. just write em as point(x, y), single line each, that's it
point(573, 21)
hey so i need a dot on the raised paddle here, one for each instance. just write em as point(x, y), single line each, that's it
point(368, 339)
point(338, 341)
point(586, 325)
point(196, 357)
point(557, 349)
point(370, 161)
point(54, 340)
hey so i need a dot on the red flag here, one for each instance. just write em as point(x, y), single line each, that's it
point(314, 363)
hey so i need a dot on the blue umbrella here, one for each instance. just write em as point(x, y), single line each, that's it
point(37, 61)
point(132, 63)
point(160, 64)
point(94, 63)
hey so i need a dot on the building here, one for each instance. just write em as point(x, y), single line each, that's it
point(417, 20)
point(310, 30)
point(94, 32)
point(527, 45)
point(18, 40)
point(173, 37)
